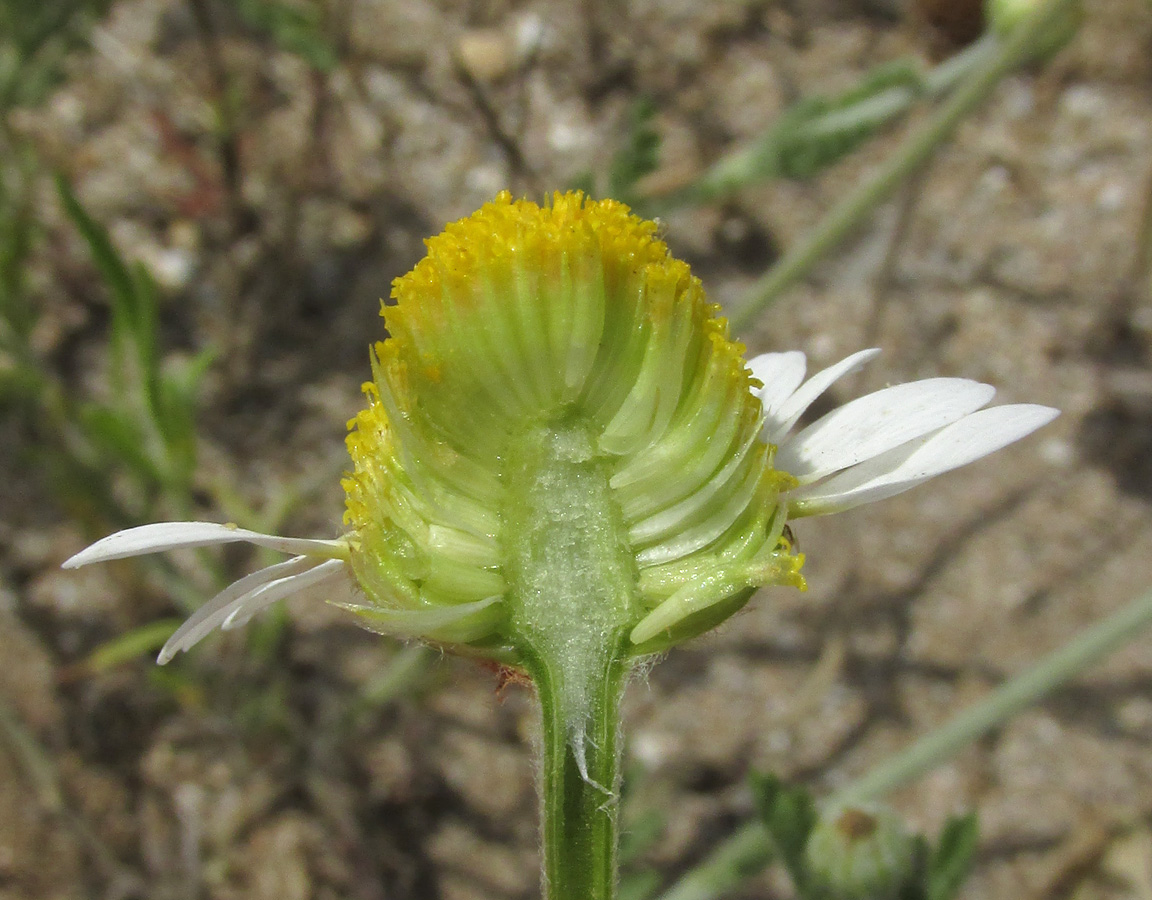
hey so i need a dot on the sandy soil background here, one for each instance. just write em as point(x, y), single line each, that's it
point(272, 773)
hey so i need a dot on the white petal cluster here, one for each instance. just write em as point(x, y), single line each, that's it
point(316, 563)
point(881, 444)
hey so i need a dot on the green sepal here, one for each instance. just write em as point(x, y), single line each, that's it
point(789, 815)
point(951, 860)
point(445, 624)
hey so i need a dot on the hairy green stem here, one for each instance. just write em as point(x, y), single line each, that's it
point(1005, 56)
point(579, 782)
point(748, 850)
point(572, 598)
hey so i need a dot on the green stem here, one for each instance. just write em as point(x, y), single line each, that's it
point(748, 850)
point(1005, 56)
point(757, 162)
point(579, 818)
point(572, 603)
point(1004, 702)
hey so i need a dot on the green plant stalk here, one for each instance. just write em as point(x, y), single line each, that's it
point(572, 602)
point(1004, 702)
point(748, 850)
point(853, 209)
point(749, 164)
point(579, 816)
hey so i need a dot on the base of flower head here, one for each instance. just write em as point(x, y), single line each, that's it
point(532, 343)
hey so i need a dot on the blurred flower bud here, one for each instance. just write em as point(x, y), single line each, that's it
point(852, 854)
point(1005, 15)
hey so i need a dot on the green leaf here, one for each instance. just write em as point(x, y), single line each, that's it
point(147, 639)
point(147, 306)
point(816, 132)
point(584, 182)
point(951, 861)
point(82, 489)
point(132, 293)
point(640, 154)
point(789, 814)
point(112, 268)
point(177, 391)
point(819, 131)
point(19, 384)
point(641, 833)
point(295, 29)
point(638, 885)
point(120, 440)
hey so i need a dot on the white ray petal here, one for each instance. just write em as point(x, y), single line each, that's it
point(262, 598)
point(780, 373)
point(793, 408)
point(971, 438)
point(216, 610)
point(172, 535)
point(878, 422)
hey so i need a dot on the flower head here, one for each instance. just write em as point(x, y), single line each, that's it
point(563, 446)
point(853, 854)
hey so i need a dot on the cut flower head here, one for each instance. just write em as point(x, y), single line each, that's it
point(562, 438)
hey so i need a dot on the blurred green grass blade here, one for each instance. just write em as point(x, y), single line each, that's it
point(142, 641)
point(640, 154)
point(640, 834)
point(20, 384)
point(146, 306)
point(184, 687)
point(789, 815)
point(639, 885)
point(35, 37)
point(952, 858)
point(134, 299)
point(265, 636)
point(296, 29)
point(17, 224)
point(33, 758)
point(177, 390)
point(112, 268)
point(404, 673)
point(119, 438)
point(83, 490)
point(30, 24)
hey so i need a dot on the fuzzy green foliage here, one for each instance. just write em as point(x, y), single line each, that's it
point(147, 425)
point(35, 37)
point(296, 28)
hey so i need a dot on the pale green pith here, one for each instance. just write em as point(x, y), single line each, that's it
point(571, 574)
point(572, 600)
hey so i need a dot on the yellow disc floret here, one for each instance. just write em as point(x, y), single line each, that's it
point(524, 322)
